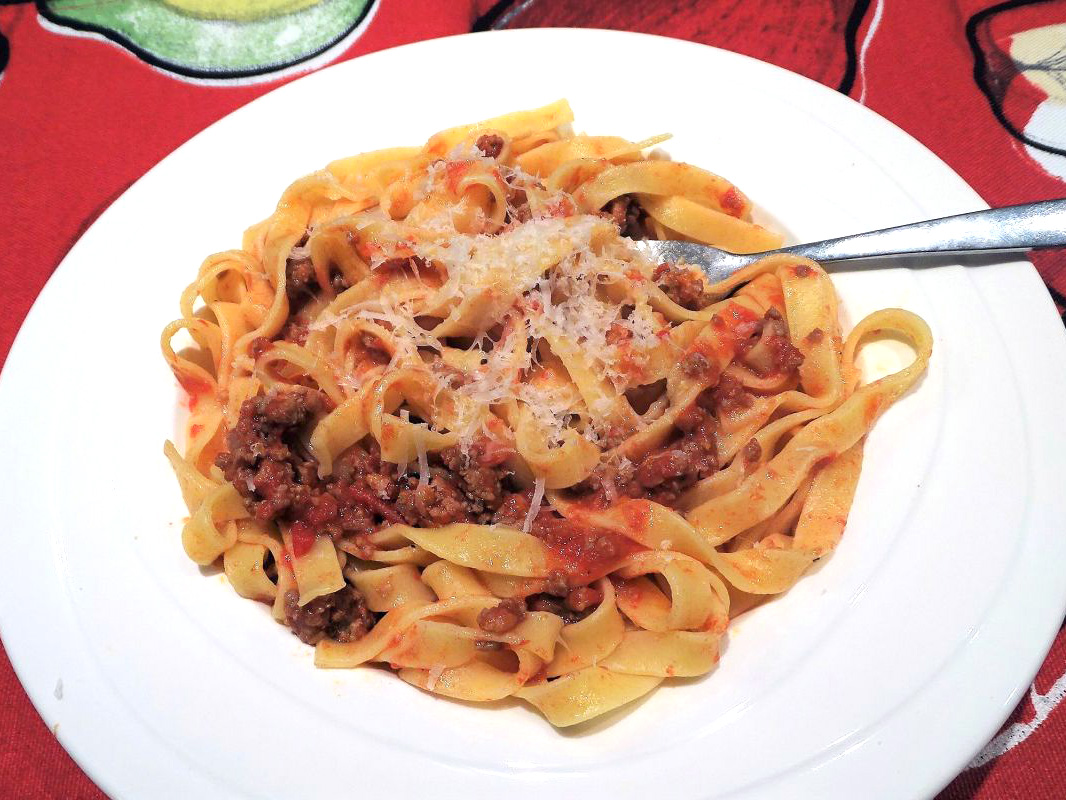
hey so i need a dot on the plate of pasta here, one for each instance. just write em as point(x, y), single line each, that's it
point(457, 483)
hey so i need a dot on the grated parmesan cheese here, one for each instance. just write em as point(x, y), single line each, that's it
point(433, 676)
point(423, 457)
point(550, 406)
point(300, 252)
point(423, 463)
point(555, 277)
point(509, 262)
point(534, 505)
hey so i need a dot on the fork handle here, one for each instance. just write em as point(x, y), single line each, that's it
point(1020, 227)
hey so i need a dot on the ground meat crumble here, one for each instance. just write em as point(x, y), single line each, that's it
point(341, 616)
point(631, 219)
point(769, 350)
point(502, 617)
point(684, 285)
point(490, 145)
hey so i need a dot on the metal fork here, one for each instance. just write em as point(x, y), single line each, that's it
point(1023, 227)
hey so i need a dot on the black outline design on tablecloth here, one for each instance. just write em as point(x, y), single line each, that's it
point(190, 72)
point(5, 45)
point(986, 78)
point(851, 52)
point(488, 20)
point(502, 14)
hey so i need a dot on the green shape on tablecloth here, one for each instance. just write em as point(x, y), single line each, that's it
point(205, 46)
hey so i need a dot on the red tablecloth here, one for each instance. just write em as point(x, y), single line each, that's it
point(93, 93)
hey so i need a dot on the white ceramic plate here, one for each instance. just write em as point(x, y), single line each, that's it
point(878, 676)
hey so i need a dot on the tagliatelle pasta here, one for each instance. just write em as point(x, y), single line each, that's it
point(444, 416)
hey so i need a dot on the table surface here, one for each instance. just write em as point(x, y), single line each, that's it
point(89, 103)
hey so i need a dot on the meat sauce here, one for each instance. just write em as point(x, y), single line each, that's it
point(666, 472)
point(278, 481)
point(631, 219)
point(341, 616)
point(683, 285)
point(582, 553)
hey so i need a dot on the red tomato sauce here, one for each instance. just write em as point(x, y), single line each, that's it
point(303, 539)
point(583, 552)
point(732, 202)
point(195, 387)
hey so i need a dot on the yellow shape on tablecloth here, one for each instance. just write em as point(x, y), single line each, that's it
point(238, 10)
